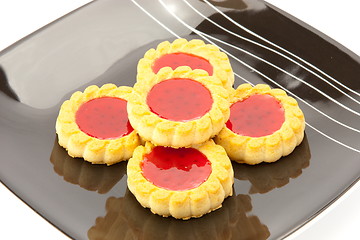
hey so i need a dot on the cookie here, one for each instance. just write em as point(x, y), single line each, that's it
point(181, 52)
point(180, 182)
point(179, 108)
point(264, 125)
point(94, 125)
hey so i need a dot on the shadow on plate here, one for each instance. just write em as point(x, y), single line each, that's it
point(126, 219)
point(5, 86)
point(265, 177)
point(89, 176)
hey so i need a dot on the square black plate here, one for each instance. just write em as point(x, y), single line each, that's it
point(102, 42)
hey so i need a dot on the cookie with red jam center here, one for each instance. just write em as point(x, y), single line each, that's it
point(94, 125)
point(264, 125)
point(181, 52)
point(180, 182)
point(179, 108)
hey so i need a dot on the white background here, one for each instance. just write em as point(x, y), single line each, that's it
point(19, 18)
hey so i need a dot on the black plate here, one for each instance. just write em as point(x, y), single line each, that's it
point(102, 43)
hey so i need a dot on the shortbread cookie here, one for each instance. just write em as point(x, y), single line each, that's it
point(179, 108)
point(94, 125)
point(195, 54)
point(264, 125)
point(180, 182)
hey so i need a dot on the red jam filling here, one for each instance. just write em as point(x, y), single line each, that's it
point(104, 118)
point(176, 169)
point(179, 99)
point(175, 60)
point(256, 116)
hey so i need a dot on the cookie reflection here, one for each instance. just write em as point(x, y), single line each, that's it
point(126, 219)
point(91, 177)
point(266, 176)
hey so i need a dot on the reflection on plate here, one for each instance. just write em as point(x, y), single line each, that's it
point(231, 4)
point(126, 219)
point(267, 176)
point(89, 176)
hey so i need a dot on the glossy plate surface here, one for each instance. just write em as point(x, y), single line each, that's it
point(102, 42)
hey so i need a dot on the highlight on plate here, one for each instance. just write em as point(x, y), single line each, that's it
point(180, 126)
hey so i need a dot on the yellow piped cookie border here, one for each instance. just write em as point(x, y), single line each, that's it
point(165, 132)
point(79, 144)
point(219, 60)
point(269, 148)
point(188, 203)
